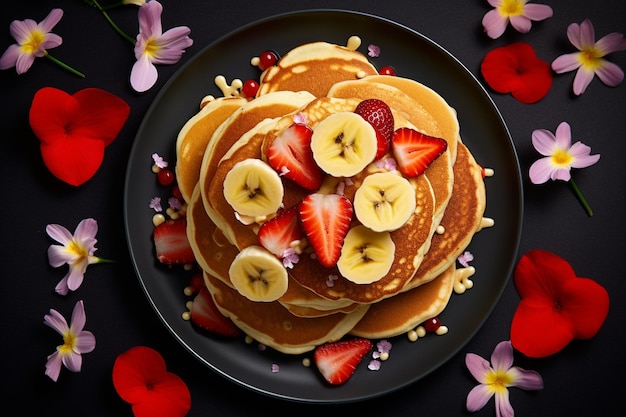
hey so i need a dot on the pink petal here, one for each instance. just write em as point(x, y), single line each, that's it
point(495, 3)
point(566, 63)
point(585, 161)
point(51, 20)
point(59, 233)
point(521, 23)
point(24, 62)
point(72, 361)
point(62, 288)
point(582, 80)
point(478, 366)
point(478, 397)
point(610, 74)
point(527, 380)
point(51, 41)
point(78, 317)
point(544, 141)
point(150, 19)
point(540, 171)
point(494, 24)
point(503, 404)
point(85, 343)
point(613, 42)
point(9, 57)
point(562, 174)
point(537, 11)
point(55, 320)
point(53, 366)
point(143, 75)
point(563, 135)
point(21, 29)
point(86, 231)
point(587, 34)
point(502, 356)
point(59, 255)
point(574, 36)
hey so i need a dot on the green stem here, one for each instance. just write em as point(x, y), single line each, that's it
point(63, 65)
point(112, 23)
point(581, 197)
point(113, 6)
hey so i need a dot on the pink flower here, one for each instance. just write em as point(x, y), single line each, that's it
point(517, 12)
point(154, 46)
point(589, 61)
point(75, 250)
point(496, 378)
point(76, 341)
point(33, 41)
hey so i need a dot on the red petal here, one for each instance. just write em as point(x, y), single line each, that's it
point(74, 130)
point(516, 69)
point(556, 305)
point(135, 371)
point(169, 398)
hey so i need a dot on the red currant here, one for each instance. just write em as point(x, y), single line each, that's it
point(387, 71)
point(165, 176)
point(250, 88)
point(176, 193)
point(267, 59)
point(431, 325)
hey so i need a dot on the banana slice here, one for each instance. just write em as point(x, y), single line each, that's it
point(384, 201)
point(366, 255)
point(253, 188)
point(343, 144)
point(258, 275)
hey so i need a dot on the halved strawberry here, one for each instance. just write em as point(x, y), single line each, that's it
point(337, 361)
point(205, 314)
point(326, 219)
point(277, 234)
point(171, 243)
point(378, 114)
point(290, 154)
point(415, 151)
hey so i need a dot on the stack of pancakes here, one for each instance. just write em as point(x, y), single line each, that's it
point(316, 80)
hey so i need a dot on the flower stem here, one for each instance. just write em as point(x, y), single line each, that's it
point(112, 23)
point(581, 197)
point(64, 65)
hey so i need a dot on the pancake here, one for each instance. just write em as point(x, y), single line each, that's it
point(194, 136)
point(440, 171)
point(462, 219)
point(274, 326)
point(405, 311)
point(315, 67)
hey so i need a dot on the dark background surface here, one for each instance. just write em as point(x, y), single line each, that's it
point(583, 379)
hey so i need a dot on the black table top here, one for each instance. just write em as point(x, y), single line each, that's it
point(582, 379)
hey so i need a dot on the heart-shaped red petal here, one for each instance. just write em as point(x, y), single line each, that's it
point(556, 306)
point(75, 129)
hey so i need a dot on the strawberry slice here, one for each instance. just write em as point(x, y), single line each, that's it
point(326, 219)
point(378, 114)
point(171, 244)
point(337, 361)
point(415, 151)
point(205, 314)
point(277, 234)
point(290, 154)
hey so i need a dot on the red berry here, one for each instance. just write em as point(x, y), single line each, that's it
point(250, 88)
point(176, 193)
point(379, 115)
point(165, 176)
point(431, 325)
point(267, 59)
point(387, 71)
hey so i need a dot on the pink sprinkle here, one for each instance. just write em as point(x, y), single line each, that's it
point(261, 347)
point(387, 163)
point(158, 160)
point(290, 258)
point(465, 258)
point(300, 118)
point(373, 50)
point(374, 365)
point(155, 203)
point(383, 346)
point(174, 203)
point(275, 368)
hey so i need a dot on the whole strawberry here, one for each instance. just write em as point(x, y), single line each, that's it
point(379, 115)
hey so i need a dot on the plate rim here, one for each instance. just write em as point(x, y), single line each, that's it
point(302, 14)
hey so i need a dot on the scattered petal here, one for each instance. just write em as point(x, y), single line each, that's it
point(373, 51)
point(518, 13)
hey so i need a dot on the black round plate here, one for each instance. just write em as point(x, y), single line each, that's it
point(412, 55)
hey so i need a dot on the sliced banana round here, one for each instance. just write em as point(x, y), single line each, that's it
point(343, 144)
point(384, 202)
point(253, 188)
point(258, 275)
point(366, 255)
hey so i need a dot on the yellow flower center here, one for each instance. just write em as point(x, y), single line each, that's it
point(562, 158)
point(498, 381)
point(590, 58)
point(69, 341)
point(33, 42)
point(512, 8)
point(79, 250)
point(151, 47)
